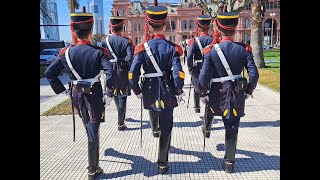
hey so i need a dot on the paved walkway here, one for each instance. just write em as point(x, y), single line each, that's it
point(121, 157)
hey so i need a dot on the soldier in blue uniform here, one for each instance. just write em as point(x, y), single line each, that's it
point(194, 58)
point(85, 63)
point(222, 67)
point(121, 49)
point(163, 78)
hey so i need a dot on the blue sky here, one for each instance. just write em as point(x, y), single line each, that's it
point(64, 15)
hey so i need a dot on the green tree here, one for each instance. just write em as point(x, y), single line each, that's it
point(257, 13)
point(76, 4)
point(96, 38)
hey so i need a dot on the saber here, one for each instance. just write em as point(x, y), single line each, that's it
point(73, 117)
point(189, 91)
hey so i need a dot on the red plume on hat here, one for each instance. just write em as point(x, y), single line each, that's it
point(83, 9)
point(155, 3)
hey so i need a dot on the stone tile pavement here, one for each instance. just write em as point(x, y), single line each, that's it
point(121, 157)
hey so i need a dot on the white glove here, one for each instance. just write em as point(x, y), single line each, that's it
point(139, 96)
point(180, 98)
point(247, 96)
point(205, 99)
point(107, 100)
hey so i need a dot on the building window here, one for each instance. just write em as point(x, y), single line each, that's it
point(248, 6)
point(271, 5)
point(267, 5)
point(246, 23)
point(173, 39)
point(168, 26)
point(173, 24)
point(191, 24)
point(184, 24)
point(124, 28)
point(275, 5)
point(136, 41)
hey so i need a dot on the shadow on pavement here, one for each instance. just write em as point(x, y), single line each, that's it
point(255, 161)
point(145, 124)
point(254, 124)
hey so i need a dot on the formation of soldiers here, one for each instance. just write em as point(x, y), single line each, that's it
point(215, 64)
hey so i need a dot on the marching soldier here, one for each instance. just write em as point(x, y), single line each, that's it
point(121, 49)
point(162, 87)
point(223, 64)
point(194, 58)
point(84, 63)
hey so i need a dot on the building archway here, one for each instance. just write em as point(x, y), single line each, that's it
point(268, 31)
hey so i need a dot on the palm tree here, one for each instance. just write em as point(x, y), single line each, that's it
point(257, 13)
point(76, 4)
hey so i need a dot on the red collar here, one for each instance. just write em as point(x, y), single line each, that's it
point(80, 41)
point(227, 39)
point(119, 34)
point(204, 34)
point(159, 36)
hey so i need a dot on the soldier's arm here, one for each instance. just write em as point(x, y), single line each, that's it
point(134, 72)
point(52, 73)
point(190, 53)
point(129, 57)
point(206, 71)
point(178, 74)
point(253, 73)
point(108, 70)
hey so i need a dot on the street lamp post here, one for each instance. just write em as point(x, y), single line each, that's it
point(272, 16)
point(72, 10)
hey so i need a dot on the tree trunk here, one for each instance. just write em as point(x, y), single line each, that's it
point(256, 41)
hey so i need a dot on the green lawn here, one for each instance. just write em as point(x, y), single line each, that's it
point(64, 108)
point(270, 75)
point(272, 54)
point(42, 70)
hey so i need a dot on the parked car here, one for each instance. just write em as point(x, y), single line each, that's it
point(47, 56)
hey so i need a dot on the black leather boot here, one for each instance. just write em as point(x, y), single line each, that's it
point(154, 119)
point(196, 102)
point(163, 154)
point(93, 160)
point(208, 118)
point(121, 115)
point(230, 151)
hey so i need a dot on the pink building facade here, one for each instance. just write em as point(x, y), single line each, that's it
point(181, 20)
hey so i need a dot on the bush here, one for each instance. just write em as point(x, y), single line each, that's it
point(42, 70)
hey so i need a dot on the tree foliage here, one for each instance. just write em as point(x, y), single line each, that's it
point(96, 38)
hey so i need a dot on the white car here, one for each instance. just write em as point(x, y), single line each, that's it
point(47, 56)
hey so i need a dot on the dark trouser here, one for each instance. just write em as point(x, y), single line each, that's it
point(196, 101)
point(121, 103)
point(166, 123)
point(208, 118)
point(231, 127)
point(92, 130)
point(154, 118)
